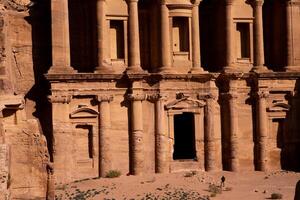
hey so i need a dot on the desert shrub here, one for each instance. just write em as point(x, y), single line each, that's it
point(276, 196)
point(214, 189)
point(113, 174)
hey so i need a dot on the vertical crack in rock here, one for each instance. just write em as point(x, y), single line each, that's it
point(16, 62)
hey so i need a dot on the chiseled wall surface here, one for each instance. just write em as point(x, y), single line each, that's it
point(24, 154)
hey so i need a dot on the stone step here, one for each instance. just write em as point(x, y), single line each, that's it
point(185, 165)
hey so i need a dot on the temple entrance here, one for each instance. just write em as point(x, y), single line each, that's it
point(184, 137)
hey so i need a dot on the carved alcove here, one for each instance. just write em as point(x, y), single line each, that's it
point(278, 127)
point(181, 34)
point(186, 129)
point(84, 120)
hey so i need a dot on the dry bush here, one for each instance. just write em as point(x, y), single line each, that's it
point(113, 174)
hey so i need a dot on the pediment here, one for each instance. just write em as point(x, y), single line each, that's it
point(84, 113)
point(185, 103)
point(279, 107)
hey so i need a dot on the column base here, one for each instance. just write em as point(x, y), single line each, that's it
point(135, 70)
point(234, 165)
point(260, 69)
point(198, 71)
point(294, 68)
point(166, 70)
point(61, 70)
point(262, 167)
point(104, 69)
point(230, 69)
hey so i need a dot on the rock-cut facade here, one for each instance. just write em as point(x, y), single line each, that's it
point(145, 86)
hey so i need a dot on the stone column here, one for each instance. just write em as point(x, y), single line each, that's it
point(229, 36)
point(136, 134)
point(134, 60)
point(104, 136)
point(161, 138)
point(262, 130)
point(63, 161)
point(290, 65)
point(209, 136)
point(196, 68)
point(61, 57)
point(233, 131)
point(259, 56)
point(165, 39)
point(104, 65)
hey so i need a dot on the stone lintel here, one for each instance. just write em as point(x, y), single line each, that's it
point(82, 76)
point(60, 98)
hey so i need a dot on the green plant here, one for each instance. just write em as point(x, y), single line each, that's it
point(112, 174)
point(276, 196)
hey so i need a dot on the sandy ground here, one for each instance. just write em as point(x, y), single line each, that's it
point(184, 185)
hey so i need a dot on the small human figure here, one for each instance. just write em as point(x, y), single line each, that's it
point(223, 181)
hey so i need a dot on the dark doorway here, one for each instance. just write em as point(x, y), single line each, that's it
point(184, 135)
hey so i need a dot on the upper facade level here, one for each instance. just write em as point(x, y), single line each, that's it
point(174, 36)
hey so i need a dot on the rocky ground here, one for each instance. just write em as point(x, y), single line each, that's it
point(184, 185)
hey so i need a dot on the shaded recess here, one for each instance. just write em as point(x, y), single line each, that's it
point(40, 20)
point(184, 134)
point(83, 35)
point(274, 34)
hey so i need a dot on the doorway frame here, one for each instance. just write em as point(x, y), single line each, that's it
point(185, 104)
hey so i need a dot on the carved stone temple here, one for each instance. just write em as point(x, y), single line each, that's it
point(145, 86)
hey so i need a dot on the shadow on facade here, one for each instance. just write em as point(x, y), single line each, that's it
point(83, 35)
point(40, 20)
point(212, 35)
point(274, 34)
point(288, 138)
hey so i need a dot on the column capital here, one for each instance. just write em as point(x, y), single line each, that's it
point(104, 98)
point(261, 94)
point(196, 2)
point(229, 95)
point(163, 2)
point(132, 1)
point(157, 97)
point(208, 96)
point(60, 98)
point(255, 3)
point(292, 2)
point(229, 2)
point(137, 97)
